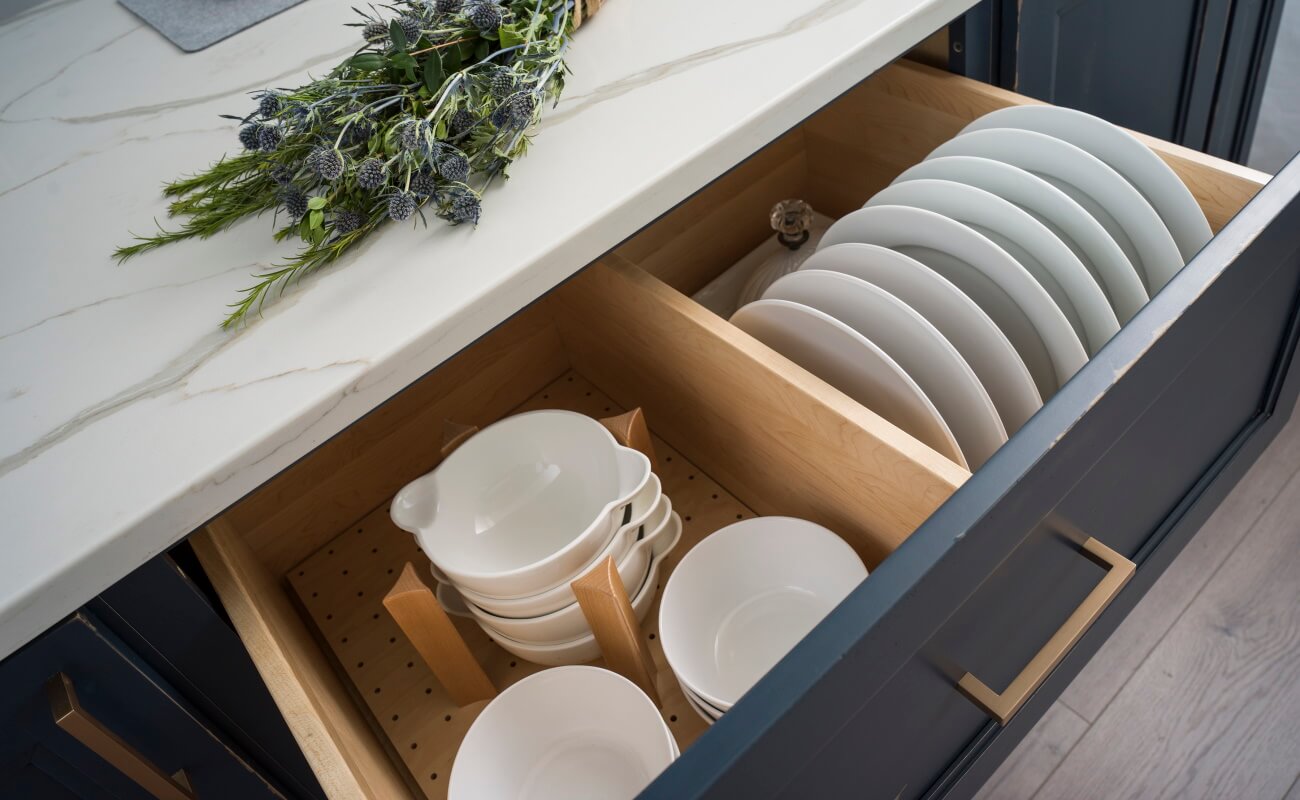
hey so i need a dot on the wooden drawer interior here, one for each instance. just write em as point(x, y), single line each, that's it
point(762, 435)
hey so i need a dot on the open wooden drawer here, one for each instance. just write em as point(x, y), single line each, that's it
point(970, 573)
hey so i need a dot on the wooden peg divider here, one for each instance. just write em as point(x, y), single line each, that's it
point(631, 431)
point(604, 602)
point(415, 608)
point(454, 435)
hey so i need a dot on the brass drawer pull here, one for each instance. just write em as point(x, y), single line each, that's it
point(1004, 706)
point(71, 717)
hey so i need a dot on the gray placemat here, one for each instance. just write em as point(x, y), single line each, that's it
point(194, 24)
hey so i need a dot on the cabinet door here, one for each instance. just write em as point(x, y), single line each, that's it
point(141, 734)
point(1190, 71)
point(1135, 451)
point(165, 618)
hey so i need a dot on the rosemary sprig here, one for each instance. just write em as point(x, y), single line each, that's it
point(432, 107)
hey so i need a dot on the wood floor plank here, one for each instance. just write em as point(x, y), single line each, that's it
point(1108, 671)
point(1029, 766)
point(1214, 711)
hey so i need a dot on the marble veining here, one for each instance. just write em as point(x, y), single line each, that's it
point(127, 418)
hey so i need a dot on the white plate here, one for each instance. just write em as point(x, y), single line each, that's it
point(745, 595)
point(1028, 241)
point(851, 363)
point(986, 273)
point(984, 347)
point(1122, 210)
point(1067, 219)
point(568, 733)
point(1123, 153)
point(915, 344)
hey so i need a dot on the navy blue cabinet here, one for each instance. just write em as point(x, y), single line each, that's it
point(162, 612)
point(85, 718)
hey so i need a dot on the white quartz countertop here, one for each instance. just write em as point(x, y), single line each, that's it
point(128, 418)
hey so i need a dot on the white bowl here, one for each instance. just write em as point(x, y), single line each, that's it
point(646, 511)
point(707, 712)
point(569, 622)
point(745, 595)
point(567, 734)
point(585, 648)
point(523, 503)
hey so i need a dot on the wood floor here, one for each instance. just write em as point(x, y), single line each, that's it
point(1197, 695)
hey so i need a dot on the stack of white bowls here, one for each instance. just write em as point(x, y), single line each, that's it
point(564, 734)
point(743, 597)
point(526, 506)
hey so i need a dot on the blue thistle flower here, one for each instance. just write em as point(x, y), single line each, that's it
point(447, 6)
point(328, 164)
point(371, 174)
point(375, 31)
point(423, 183)
point(248, 136)
point(268, 104)
point(268, 137)
point(484, 16)
point(282, 175)
point(462, 120)
point(454, 166)
point(411, 27)
point(414, 134)
point(359, 131)
point(295, 202)
point(401, 205)
point(516, 111)
point(465, 208)
point(501, 84)
point(346, 221)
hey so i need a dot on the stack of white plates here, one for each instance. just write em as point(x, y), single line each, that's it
point(743, 597)
point(969, 291)
point(564, 734)
point(526, 506)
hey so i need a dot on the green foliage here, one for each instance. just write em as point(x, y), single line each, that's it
point(394, 100)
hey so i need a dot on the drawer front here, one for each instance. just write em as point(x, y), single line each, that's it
point(126, 699)
point(1167, 414)
point(161, 614)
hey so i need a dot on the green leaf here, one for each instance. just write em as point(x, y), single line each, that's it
point(316, 217)
point(304, 229)
point(317, 202)
point(481, 52)
point(440, 130)
point(398, 36)
point(433, 72)
point(510, 35)
point(466, 50)
point(367, 62)
point(451, 58)
point(402, 60)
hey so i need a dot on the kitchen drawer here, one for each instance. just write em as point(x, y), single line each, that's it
point(969, 573)
point(123, 732)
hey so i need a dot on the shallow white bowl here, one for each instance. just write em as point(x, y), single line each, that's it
point(706, 712)
point(569, 622)
point(646, 510)
point(569, 734)
point(523, 503)
point(585, 648)
point(745, 595)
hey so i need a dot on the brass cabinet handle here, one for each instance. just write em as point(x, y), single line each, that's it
point(71, 717)
point(1004, 706)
